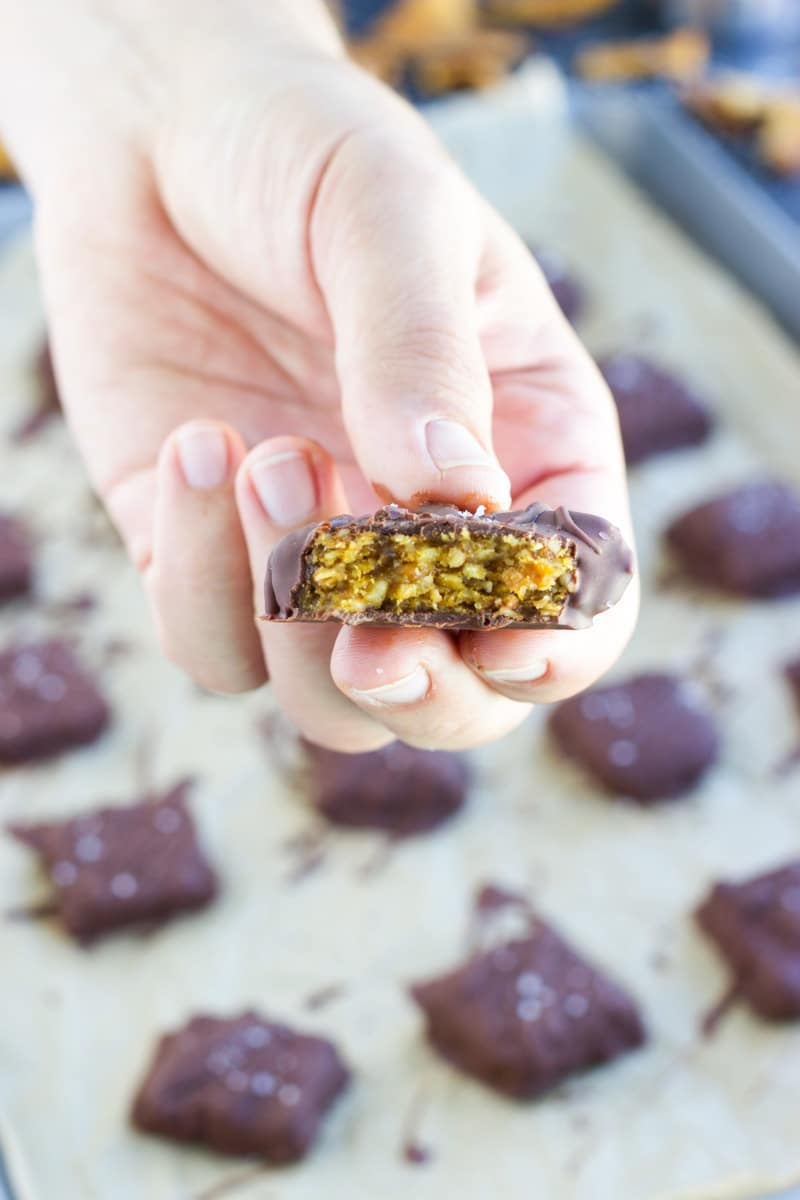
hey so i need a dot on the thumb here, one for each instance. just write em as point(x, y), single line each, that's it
point(396, 243)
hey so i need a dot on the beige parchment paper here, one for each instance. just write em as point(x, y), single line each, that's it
point(685, 1118)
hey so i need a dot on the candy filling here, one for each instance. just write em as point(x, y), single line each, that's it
point(453, 571)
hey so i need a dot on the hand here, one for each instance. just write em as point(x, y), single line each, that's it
point(272, 299)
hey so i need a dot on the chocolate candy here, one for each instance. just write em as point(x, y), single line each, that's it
point(562, 283)
point(448, 569)
point(649, 738)
point(15, 559)
point(525, 1015)
point(746, 541)
point(241, 1085)
point(117, 867)
point(657, 411)
point(47, 703)
point(397, 789)
point(756, 927)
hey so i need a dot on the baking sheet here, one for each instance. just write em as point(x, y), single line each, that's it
point(749, 220)
point(685, 1119)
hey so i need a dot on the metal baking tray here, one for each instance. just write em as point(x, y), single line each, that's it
point(750, 222)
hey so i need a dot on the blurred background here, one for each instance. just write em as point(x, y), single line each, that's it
point(698, 101)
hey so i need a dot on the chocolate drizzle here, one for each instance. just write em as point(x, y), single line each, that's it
point(712, 1020)
point(604, 565)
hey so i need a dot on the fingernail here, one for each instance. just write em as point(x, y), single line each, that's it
point(452, 445)
point(203, 455)
point(408, 690)
point(527, 674)
point(286, 488)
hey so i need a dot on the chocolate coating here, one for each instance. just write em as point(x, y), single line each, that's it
point(756, 927)
point(116, 867)
point(48, 703)
point(658, 412)
point(604, 564)
point(649, 738)
point(242, 1085)
point(746, 541)
point(527, 1014)
point(397, 789)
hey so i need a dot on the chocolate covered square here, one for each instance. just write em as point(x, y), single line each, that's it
point(445, 568)
point(755, 925)
point(48, 702)
point(397, 789)
point(527, 1014)
point(117, 867)
point(746, 541)
point(242, 1085)
point(658, 411)
point(649, 738)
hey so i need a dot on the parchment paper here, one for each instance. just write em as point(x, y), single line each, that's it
point(685, 1118)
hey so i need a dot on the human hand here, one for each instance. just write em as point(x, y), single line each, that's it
point(273, 298)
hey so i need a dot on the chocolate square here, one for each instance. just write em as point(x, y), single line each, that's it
point(649, 738)
point(755, 925)
point(116, 867)
point(241, 1085)
point(397, 789)
point(746, 541)
point(657, 410)
point(48, 703)
point(526, 1015)
point(445, 568)
point(15, 559)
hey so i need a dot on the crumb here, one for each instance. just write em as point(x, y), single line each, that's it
point(680, 56)
point(778, 139)
point(545, 14)
point(476, 59)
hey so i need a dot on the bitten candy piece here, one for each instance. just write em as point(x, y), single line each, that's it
point(449, 569)
point(117, 867)
point(657, 411)
point(756, 927)
point(15, 559)
point(397, 789)
point(562, 283)
point(47, 702)
point(241, 1085)
point(649, 737)
point(527, 1014)
point(746, 541)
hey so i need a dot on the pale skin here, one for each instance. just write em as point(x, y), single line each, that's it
point(270, 292)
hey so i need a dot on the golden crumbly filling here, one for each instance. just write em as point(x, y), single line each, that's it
point(455, 571)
